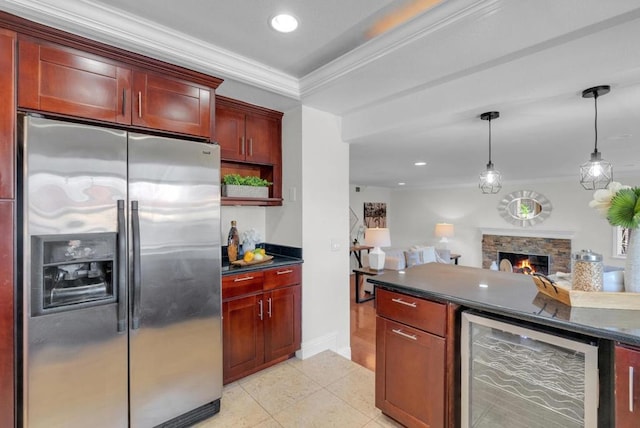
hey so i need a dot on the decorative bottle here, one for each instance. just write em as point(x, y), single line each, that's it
point(233, 242)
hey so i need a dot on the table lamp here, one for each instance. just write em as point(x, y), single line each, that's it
point(444, 231)
point(376, 238)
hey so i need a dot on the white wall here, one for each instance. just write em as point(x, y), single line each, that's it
point(325, 235)
point(416, 211)
point(246, 218)
point(284, 224)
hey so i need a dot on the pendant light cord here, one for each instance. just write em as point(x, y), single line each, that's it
point(595, 122)
point(489, 141)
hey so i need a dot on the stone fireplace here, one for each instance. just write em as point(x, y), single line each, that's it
point(553, 246)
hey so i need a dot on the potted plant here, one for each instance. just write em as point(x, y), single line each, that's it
point(237, 186)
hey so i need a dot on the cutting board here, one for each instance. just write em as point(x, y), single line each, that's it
point(252, 262)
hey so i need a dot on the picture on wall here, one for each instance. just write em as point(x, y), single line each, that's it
point(620, 242)
point(375, 214)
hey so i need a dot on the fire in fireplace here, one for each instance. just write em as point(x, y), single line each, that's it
point(524, 263)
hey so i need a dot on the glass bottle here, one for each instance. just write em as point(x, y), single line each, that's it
point(233, 242)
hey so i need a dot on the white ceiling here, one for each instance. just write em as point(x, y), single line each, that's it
point(416, 91)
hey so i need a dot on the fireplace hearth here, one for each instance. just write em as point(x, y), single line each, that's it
point(524, 263)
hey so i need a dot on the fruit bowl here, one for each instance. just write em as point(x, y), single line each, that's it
point(252, 262)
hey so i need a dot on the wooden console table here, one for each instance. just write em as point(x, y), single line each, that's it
point(359, 284)
point(356, 250)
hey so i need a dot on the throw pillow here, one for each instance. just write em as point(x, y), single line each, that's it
point(427, 254)
point(412, 258)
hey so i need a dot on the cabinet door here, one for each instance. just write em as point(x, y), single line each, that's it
point(627, 387)
point(72, 82)
point(6, 313)
point(171, 105)
point(282, 328)
point(230, 133)
point(410, 374)
point(259, 134)
point(7, 113)
point(243, 339)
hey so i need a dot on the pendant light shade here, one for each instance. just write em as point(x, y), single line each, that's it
point(490, 179)
point(596, 173)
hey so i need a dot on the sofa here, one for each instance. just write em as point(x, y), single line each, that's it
point(402, 258)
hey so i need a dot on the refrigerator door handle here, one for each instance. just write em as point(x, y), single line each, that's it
point(122, 268)
point(135, 290)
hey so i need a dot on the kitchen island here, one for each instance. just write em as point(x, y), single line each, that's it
point(418, 343)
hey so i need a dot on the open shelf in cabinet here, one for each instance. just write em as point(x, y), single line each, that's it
point(267, 172)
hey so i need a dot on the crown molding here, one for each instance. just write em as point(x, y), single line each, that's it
point(111, 26)
point(445, 14)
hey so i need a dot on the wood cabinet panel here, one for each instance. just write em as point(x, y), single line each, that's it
point(71, 82)
point(282, 277)
point(410, 374)
point(7, 113)
point(243, 338)
point(283, 322)
point(230, 133)
point(423, 314)
point(627, 387)
point(6, 313)
point(238, 285)
point(171, 105)
point(260, 138)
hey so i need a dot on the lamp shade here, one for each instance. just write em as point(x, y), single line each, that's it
point(444, 230)
point(377, 237)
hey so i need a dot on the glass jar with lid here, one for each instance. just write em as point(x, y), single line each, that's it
point(586, 271)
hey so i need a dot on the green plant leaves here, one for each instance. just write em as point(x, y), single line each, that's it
point(238, 180)
point(625, 208)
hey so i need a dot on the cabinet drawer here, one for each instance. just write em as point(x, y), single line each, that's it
point(244, 283)
point(423, 314)
point(282, 277)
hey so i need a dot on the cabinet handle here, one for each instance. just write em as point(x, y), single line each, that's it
point(269, 311)
point(402, 302)
point(250, 146)
point(403, 334)
point(283, 272)
point(124, 100)
point(631, 389)
point(246, 278)
point(260, 314)
point(139, 104)
point(242, 146)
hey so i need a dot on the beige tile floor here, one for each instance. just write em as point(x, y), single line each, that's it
point(326, 390)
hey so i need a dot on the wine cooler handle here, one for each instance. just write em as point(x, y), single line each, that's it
point(122, 268)
point(137, 277)
point(631, 389)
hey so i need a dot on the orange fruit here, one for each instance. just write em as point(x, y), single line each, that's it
point(248, 256)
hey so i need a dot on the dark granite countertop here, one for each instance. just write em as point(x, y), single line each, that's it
point(282, 256)
point(511, 295)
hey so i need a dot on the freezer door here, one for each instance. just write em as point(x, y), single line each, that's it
point(175, 336)
point(75, 354)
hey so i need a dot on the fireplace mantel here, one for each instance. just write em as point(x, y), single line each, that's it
point(529, 233)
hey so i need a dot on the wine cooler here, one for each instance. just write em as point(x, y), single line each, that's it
point(518, 377)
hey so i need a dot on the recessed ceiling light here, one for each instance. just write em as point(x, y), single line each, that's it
point(284, 23)
point(420, 163)
point(401, 184)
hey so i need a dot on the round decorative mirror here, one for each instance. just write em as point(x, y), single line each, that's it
point(524, 208)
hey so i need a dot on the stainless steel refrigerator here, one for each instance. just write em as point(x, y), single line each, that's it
point(121, 277)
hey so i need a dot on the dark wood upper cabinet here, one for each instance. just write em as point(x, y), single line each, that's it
point(171, 105)
point(59, 80)
point(246, 132)
point(7, 113)
point(74, 83)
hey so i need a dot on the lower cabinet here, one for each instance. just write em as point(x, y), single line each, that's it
point(263, 326)
point(415, 360)
point(627, 387)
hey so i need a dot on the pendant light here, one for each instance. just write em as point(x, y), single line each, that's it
point(596, 173)
point(491, 179)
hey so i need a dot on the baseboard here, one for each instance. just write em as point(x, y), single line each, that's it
point(320, 344)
